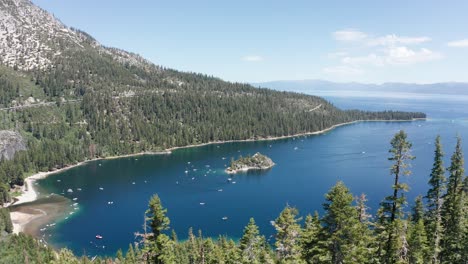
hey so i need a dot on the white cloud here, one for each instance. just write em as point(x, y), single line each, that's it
point(387, 50)
point(458, 43)
point(393, 56)
point(391, 40)
point(349, 35)
point(343, 70)
point(404, 55)
point(252, 58)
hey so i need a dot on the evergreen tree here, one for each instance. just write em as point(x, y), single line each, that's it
point(288, 233)
point(119, 256)
point(465, 220)
point(434, 202)
point(346, 237)
point(251, 244)
point(130, 257)
point(453, 221)
point(418, 210)
point(392, 205)
point(5, 221)
point(314, 249)
point(417, 238)
point(159, 222)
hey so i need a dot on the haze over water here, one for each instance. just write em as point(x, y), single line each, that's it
point(307, 167)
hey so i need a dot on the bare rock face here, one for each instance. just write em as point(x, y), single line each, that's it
point(31, 38)
point(10, 143)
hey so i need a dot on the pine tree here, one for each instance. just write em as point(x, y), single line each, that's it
point(345, 235)
point(453, 221)
point(392, 205)
point(314, 249)
point(159, 222)
point(251, 244)
point(362, 208)
point(130, 257)
point(166, 249)
point(465, 219)
point(418, 210)
point(287, 236)
point(434, 202)
point(119, 256)
point(417, 238)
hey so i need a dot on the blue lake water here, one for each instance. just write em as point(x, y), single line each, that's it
point(306, 169)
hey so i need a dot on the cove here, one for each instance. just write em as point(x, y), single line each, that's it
point(306, 169)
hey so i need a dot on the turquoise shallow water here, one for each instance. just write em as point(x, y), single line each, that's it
point(306, 168)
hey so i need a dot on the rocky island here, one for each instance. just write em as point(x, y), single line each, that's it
point(255, 162)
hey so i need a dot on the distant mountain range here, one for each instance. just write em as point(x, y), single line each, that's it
point(397, 90)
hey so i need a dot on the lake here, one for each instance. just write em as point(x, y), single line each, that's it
point(111, 196)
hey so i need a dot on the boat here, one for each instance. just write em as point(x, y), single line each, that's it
point(225, 218)
point(202, 203)
point(100, 188)
point(98, 237)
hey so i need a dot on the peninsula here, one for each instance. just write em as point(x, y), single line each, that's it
point(255, 162)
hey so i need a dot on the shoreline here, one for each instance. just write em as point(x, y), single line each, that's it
point(245, 169)
point(29, 194)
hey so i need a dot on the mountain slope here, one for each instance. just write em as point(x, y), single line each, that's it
point(31, 38)
point(73, 99)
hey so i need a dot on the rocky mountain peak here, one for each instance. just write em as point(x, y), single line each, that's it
point(31, 38)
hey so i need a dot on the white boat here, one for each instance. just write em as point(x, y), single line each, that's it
point(202, 203)
point(100, 188)
point(225, 218)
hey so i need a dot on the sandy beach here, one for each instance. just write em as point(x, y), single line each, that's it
point(39, 213)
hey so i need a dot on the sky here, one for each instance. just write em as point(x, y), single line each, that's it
point(255, 41)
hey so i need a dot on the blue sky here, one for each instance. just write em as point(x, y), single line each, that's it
point(254, 41)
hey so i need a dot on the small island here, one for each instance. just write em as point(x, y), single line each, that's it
point(255, 162)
